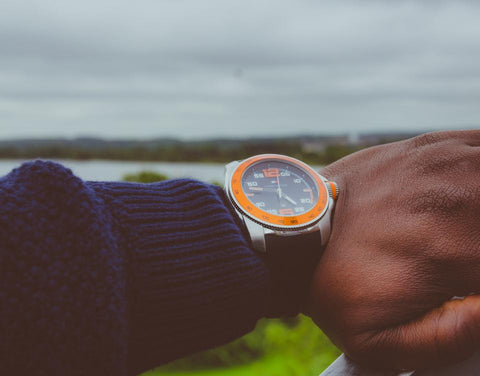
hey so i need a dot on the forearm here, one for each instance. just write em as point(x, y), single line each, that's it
point(195, 283)
point(103, 276)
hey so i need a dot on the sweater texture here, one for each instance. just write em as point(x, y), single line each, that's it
point(115, 278)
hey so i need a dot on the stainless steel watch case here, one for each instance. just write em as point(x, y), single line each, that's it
point(258, 229)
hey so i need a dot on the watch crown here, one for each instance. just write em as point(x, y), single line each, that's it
point(332, 189)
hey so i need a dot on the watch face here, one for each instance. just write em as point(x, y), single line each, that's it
point(279, 191)
point(279, 187)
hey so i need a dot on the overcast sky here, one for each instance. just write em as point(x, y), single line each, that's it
point(191, 68)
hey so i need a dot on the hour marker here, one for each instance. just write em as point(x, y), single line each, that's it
point(286, 211)
point(309, 191)
point(271, 172)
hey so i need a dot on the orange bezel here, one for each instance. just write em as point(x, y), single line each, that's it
point(274, 220)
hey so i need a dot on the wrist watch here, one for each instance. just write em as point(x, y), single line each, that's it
point(281, 196)
point(286, 207)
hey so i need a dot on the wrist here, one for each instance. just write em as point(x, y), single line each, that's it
point(288, 278)
point(285, 207)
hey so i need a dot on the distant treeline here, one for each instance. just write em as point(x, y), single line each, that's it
point(177, 153)
point(325, 150)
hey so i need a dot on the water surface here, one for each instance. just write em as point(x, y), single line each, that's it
point(102, 170)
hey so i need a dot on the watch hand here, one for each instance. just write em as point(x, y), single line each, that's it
point(289, 199)
point(279, 189)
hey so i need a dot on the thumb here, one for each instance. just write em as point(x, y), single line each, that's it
point(444, 335)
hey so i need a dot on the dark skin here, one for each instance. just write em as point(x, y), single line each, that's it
point(405, 240)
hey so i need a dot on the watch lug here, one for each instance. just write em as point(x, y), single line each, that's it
point(257, 234)
point(325, 224)
point(233, 163)
point(229, 168)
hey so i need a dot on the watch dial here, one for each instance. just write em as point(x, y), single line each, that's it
point(280, 188)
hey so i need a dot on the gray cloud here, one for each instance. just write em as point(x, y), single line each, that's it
point(213, 68)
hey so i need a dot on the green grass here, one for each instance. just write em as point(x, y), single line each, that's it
point(275, 348)
point(276, 365)
point(145, 177)
point(269, 366)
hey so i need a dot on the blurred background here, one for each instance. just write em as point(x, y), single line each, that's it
point(158, 89)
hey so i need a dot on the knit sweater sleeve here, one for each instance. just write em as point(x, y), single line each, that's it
point(113, 278)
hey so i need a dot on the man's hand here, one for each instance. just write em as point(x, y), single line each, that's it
point(405, 240)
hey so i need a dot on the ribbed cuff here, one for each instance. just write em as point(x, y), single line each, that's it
point(194, 281)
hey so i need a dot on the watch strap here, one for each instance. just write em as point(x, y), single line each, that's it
point(292, 260)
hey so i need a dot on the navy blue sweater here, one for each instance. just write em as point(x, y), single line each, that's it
point(114, 278)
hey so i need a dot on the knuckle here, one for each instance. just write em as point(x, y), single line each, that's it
point(375, 350)
point(425, 139)
point(359, 348)
point(454, 333)
point(465, 137)
point(472, 137)
point(432, 138)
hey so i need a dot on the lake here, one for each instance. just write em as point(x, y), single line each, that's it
point(102, 170)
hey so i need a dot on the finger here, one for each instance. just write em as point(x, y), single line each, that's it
point(445, 335)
